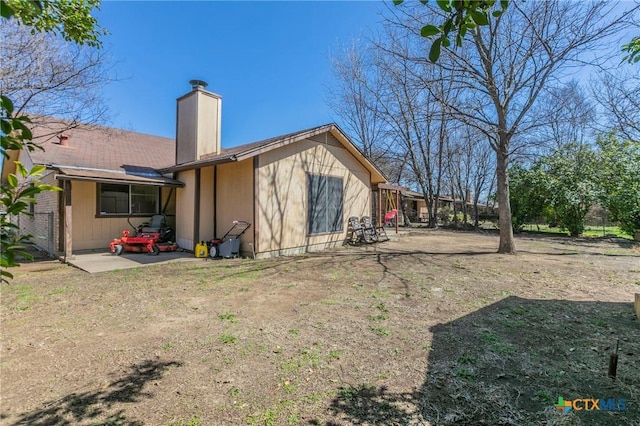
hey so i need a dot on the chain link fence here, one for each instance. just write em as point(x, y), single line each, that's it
point(40, 227)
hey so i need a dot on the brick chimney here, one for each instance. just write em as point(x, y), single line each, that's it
point(63, 139)
point(198, 123)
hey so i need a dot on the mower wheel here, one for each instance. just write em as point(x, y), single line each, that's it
point(117, 249)
point(213, 251)
point(154, 250)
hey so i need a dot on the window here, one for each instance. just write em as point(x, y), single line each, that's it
point(128, 199)
point(325, 204)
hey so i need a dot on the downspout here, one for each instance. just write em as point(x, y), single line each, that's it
point(215, 201)
point(256, 233)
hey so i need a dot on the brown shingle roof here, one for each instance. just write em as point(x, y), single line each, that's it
point(102, 148)
point(107, 149)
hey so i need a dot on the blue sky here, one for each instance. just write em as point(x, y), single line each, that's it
point(268, 60)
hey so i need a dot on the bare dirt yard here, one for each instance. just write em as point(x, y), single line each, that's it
point(432, 329)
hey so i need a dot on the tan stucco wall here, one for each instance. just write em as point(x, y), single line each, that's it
point(209, 109)
point(235, 199)
point(234, 202)
point(198, 127)
point(206, 203)
point(185, 198)
point(90, 232)
point(282, 207)
point(186, 129)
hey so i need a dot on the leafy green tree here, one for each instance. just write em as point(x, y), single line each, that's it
point(633, 50)
point(619, 180)
point(510, 61)
point(528, 195)
point(72, 20)
point(15, 195)
point(571, 185)
point(461, 16)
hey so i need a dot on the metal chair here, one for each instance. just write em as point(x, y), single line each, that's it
point(357, 233)
point(375, 233)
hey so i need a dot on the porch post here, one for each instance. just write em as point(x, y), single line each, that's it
point(379, 206)
point(68, 222)
point(397, 209)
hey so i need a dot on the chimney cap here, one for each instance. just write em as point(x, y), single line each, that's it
point(198, 84)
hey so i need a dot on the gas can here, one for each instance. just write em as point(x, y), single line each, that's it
point(201, 250)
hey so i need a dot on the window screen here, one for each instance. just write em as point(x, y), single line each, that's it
point(128, 199)
point(325, 204)
point(114, 199)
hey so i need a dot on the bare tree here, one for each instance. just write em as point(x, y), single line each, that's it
point(51, 79)
point(354, 100)
point(503, 67)
point(566, 115)
point(386, 109)
point(416, 120)
point(470, 169)
point(619, 96)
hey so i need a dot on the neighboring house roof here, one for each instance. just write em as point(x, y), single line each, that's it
point(412, 195)
point(250, 150)
point(104, 154)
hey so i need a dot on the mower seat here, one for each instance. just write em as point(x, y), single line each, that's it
point(157, 222)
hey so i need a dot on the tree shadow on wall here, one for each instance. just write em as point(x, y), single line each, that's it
point(96, 407)
point(508, 363)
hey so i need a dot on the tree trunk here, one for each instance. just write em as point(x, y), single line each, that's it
point(476, 214)
point(433, 219)
point(507, 244)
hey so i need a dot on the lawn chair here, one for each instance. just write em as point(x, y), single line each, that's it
point(357, 233)
point(374, 233)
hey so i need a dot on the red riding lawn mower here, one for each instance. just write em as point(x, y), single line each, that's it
point(151, 237)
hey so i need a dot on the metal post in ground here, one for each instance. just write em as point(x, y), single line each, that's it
point(50, 234)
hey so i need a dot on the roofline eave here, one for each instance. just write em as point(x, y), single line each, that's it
point(173, 184)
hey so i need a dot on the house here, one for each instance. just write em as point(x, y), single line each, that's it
point(297, 190)
point(415, 207)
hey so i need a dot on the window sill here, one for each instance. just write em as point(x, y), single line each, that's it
point(320, 234)
point(119, 216)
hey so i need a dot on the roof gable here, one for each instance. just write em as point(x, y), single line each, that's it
point(243, 152)
point(108, 149)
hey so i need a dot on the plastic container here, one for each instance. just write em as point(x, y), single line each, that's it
point(201, 249)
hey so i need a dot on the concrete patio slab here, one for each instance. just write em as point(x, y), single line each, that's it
point(105, 261)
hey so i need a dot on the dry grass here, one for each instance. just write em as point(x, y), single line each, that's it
point(434, 328)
